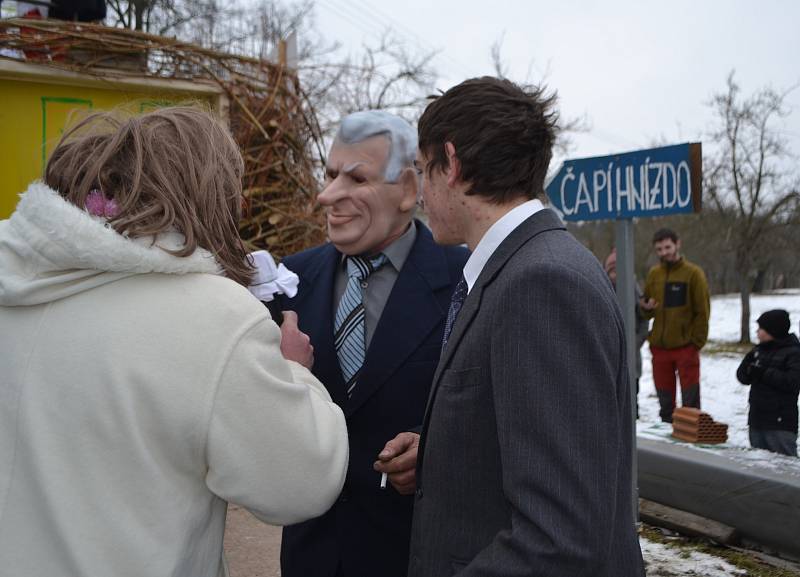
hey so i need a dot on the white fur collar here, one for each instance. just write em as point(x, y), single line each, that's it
point(71, 238)
point(49, 243)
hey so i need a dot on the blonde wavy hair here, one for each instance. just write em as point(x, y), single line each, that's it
point(175, 168)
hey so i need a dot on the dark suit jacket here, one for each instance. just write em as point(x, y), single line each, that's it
point(524, 465)
point(368, 529)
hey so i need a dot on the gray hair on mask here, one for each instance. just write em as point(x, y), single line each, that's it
point(359, 126)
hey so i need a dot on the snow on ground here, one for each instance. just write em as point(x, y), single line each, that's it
point(725, 312)
point(664, 561)
point(721, 394)
point(726, 401)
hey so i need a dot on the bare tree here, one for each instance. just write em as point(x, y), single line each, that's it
point(495, 53)
point(567, 127)
point(161, 17)
point(750, 179)
point(244, 28)
point(388, 74)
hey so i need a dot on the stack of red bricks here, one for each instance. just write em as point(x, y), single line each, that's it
point(694, 426)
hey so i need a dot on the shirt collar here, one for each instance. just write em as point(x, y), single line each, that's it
point(673, 265)
point(397, 252)
point(496, 234)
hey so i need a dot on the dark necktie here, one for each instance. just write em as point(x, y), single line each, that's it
point(459, 295)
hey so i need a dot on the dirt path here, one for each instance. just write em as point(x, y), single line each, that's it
point(251, 547)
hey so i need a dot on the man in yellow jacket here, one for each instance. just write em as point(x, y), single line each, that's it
point(676, 296)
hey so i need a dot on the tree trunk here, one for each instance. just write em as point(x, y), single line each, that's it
point(139, 6)
point(744, 290)
point(759, 285)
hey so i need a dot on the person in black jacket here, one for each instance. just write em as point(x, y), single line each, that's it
point(772, 369)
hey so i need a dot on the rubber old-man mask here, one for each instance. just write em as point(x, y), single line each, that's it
point(370, 185)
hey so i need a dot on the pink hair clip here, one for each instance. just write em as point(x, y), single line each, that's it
point(98, 204)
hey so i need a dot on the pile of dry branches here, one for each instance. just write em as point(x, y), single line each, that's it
point(269, 117)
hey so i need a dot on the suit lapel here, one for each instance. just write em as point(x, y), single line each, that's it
point(534, 225)
point(411, 313)
point(537, 223)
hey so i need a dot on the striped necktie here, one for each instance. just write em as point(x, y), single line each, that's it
point(348, 334)
point(459, 296)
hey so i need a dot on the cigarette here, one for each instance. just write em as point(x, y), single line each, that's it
point(383, 480)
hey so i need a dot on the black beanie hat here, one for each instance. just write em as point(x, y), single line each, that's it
point(775, 322)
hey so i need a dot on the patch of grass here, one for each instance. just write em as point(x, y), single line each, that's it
point(727, 348)
point(753, 566)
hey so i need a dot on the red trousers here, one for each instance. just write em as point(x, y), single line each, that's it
point(686, 362)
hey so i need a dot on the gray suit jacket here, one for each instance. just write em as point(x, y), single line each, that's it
point(524, 464)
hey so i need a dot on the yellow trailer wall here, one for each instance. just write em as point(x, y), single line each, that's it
point(34, 111)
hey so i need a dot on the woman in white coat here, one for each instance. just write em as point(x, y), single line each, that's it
point(142, 387)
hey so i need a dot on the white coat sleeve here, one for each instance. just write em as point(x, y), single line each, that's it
point(277, 444)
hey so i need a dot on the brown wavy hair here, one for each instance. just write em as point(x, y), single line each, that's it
point(503, 135)
point(175, 168)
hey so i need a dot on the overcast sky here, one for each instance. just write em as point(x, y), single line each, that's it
point(641, 72)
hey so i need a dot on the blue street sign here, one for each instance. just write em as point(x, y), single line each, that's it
point(653, 182)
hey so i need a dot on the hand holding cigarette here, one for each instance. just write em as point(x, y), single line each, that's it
point(397, 462)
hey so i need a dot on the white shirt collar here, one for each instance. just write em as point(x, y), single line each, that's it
point(496, 234)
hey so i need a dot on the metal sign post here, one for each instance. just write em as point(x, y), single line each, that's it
point(626, 293)
point(620, 187)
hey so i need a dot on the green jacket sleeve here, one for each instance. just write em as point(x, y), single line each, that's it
point(701, 308)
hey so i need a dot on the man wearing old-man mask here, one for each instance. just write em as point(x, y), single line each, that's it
point(374, 302)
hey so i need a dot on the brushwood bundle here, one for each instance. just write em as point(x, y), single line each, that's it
point(270, 118)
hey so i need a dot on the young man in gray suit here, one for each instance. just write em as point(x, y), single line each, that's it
point(524, 463)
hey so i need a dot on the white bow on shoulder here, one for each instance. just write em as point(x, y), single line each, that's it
point(269, 279)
